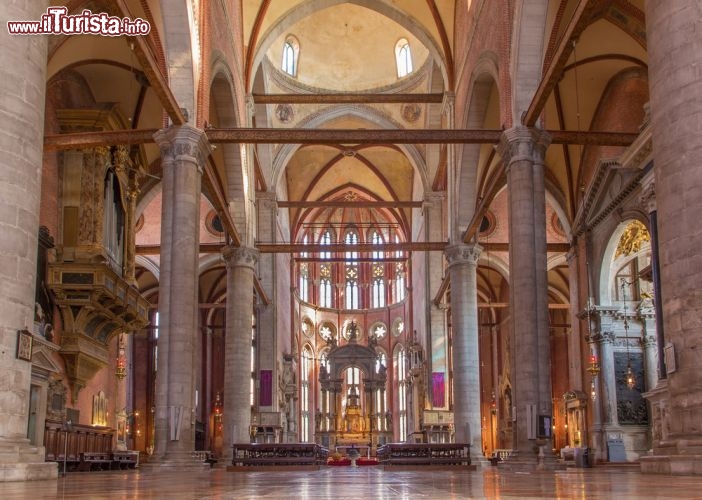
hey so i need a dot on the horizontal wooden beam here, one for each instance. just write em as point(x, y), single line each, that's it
point(156, 249)
point(382, 260)
point(83, 140)
point(352, 136)
point(350, 204)
point(503, 305)
point(347, 98)
point(430, 246)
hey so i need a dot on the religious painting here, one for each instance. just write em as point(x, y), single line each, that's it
point(266, 394)
point(121, 430)
point(24, 345)
point(437, 379)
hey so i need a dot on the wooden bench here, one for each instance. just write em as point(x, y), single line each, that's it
point(205, 456)
point(296, 455)
point(125, 459)
point(95, 461)
point(424, 454)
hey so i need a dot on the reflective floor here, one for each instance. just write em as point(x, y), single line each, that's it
point(341, 483)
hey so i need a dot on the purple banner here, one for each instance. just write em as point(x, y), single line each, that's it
point(266, 394)
point(437, 389)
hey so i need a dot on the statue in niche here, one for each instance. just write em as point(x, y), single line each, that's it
point(508, 403)
point(352, 331)
point(56, 409)
point(353, 421)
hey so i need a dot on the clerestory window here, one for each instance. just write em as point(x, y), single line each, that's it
point(403, 58)
point(291, 52)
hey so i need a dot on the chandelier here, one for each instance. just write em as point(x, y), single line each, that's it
point(121, 369)
point(593, 367)
point(629, 376)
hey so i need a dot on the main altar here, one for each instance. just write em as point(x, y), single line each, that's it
point(353, 413)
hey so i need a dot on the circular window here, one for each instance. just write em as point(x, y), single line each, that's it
point(351, 330)
point(214, 224)
point(378, 330)
point(307, 327)
point(327, 331)
point(488, 224)
point(557, 225)
point(139, 223)
point(398, 327)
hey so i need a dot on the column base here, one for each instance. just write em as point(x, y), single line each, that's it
point(20, 461)
point(175, 461)
point(521, 462)
point(479, 460)
point(672, 464)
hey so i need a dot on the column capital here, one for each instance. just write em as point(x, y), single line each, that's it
point(433, 199)
point(572, 253)
point(250, 107)
point(183, 142)
point(523, 143)
point(447, 103)
point(463, 254)
point(267, 200)
point(240, 257)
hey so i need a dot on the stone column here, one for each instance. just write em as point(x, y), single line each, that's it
point(241, 263)
point(607, 397)
point(269, 349)
point(462, 266)
point(183, 153)
point(574, 340)
point(436, 328)
point(121, 399)
point(522, 149)
point(674, 44)
point(22, 89)
point(648, 200)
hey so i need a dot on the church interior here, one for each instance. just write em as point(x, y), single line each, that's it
point(352, 224)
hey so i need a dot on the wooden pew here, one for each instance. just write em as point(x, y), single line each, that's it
point(125, 459)
point(398, 455)
point(298, 456)
point(90, 460)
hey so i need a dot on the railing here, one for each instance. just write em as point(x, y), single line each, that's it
point(499, 455)
point(424, 454)
point(278, 454)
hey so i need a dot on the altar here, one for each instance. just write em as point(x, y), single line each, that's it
point(353, 411)
point(348, 450)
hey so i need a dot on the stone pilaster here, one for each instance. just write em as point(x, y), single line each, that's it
point(462, 266)
point(184, 150)
point(674, 44)
point(523, 149)
point(241, 264)
point(574, 340)
point(436, 328)
point(269, 349)
point(22, 90)
point(448, 110)
point(648, 201)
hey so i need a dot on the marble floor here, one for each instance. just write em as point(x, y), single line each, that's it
point(354, 483)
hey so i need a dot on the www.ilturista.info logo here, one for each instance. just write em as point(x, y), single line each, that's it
point(56, 21)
